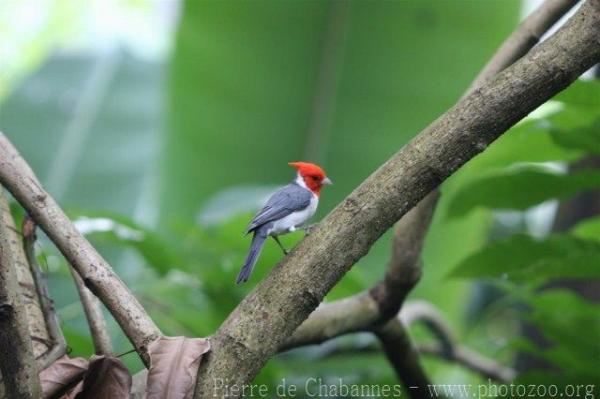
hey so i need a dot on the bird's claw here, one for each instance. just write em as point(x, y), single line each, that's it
point(308, 229)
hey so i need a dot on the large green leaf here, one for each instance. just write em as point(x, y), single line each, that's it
point(522, 259)
point(520, 188)
point(563, 130)
point(584, 138)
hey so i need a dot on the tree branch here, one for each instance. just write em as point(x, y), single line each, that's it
point(447, 347)
point(279, 304)
point(97, 274)
point(405, 267)
point(472, 360)
point(93, 313)
point(58, 344)
point(362, 311)
point(17, 362)
point(404, 357)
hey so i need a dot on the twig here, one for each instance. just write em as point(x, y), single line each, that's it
point(425, 312)
point(447, 347)
point(459, 354)
point(17, 362)
point(283, 300)
point(472, 360)
point(93, 313)
point(58, 344)
point(96, 273)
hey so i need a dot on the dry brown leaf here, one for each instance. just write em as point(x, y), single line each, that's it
point(174, 363)
point(62, 375)
point(106, 378)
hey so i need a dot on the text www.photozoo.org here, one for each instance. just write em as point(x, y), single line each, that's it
point(319, 388)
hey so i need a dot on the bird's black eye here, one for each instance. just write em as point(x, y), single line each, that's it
point(315, 178)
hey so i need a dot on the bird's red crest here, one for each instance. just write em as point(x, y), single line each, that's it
point(313, 175)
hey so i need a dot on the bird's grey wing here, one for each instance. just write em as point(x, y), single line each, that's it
point(284, 201)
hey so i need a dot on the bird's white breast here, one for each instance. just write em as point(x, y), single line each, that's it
point(295, 219)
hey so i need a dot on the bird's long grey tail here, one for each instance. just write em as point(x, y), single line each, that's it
point(257, 243)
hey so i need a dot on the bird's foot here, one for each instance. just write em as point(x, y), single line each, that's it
point(308, 229)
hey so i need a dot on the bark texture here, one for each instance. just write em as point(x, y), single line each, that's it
point(97, 274)
point(17, 361)
point(277, 306)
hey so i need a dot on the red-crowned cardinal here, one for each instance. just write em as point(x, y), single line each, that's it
point(286, 210)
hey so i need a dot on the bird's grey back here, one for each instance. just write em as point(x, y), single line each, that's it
point(286, 200)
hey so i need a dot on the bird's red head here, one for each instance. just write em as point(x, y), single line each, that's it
point(313, 175)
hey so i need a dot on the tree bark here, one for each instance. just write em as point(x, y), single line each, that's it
point(17, 362)
point(277, 306)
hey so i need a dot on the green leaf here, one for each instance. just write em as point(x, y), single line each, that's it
point(104, 226)
point(584, 138)
point(588, 229)
point(582, 94)
point(571, 325)
point(520, 188)
point(522, 259)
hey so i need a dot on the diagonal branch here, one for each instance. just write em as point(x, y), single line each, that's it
point(17, 362)
point(363, 311)
point(97, 274)
point(279, 304)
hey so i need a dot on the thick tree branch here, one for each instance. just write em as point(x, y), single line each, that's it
point(58, 345)
point(363, 311)
point(277, 306)
point(17, 362)
point(97, 274)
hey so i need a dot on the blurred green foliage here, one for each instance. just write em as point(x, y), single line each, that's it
point(163, 171)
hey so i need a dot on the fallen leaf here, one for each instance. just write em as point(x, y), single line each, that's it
point(174, 363)
point(106, 378)
point(62, 375)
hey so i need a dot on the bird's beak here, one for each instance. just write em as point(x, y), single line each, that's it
point(327, 182)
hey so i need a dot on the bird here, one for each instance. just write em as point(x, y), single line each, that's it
point(285, 211)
